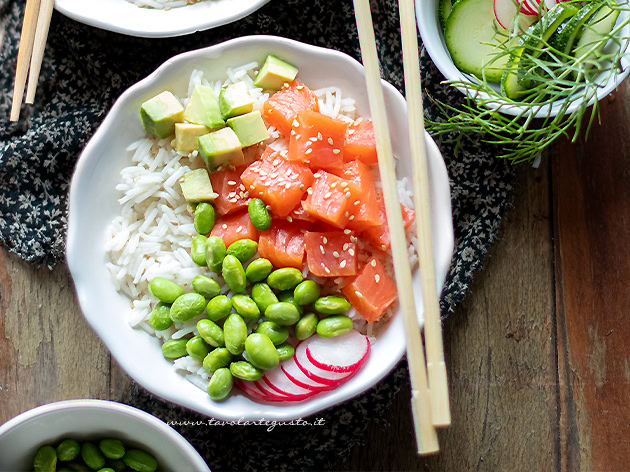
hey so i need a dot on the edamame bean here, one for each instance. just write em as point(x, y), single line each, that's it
point(160, 318)
point(258, 270)
point(211, 333)
point(204, 218)
point(92, 456)
point(245, 371)
point(106, 469)
point(67, 469)
point(198, 250)
point(117, 465)
point(263, 296)
point(77, 466)
point(45, 459)
point(278, 334)
point(187, 306)
point(174, 348)
point(288, 297)
point(206, 286)
point(258, 214)
point(165, 290)
point(215, 253)
point(334, 326)
point(284, 279)
point(261, 352)
point(197, 348)
point(243, 249)
point(234, 274)
point(306, 327)
point(140, 461)
point(332, 305)
point(112, 448)
point(235, 334)
point(283, 313)
point(306, 292)
point(68, 449)
point(219, 307)
point(217, 359)
point(220, 384)
point(285, 351)
point(245, 306)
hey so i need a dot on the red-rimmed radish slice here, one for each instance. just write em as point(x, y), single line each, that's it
point(505, 11)
point(551, 3)
point(251, 389)
point(315, 373)
point(344, 354)
point(269, 393)
point(295, 375)
point(277, 380)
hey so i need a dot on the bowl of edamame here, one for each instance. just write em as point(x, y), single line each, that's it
point(93, 435)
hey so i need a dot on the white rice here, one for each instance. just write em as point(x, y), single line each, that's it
point(162, 4)
point(153, 233)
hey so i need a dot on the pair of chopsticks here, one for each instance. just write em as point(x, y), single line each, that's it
point(32, 44)
point(429, 400)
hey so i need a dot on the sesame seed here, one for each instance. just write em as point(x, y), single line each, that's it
point(317, 175)
point(288, 185)
point(319, 136)
point(231, 194)
point(342, 264)
point(261, 193)
point(242, 187)
point(285, 85)
point(251, 187)
point(284, 153)
point(330, 141)
point(310, 191)
point(373, 263)
point(231, 182)
point(347, 172)
point(345, 247)
point(351, 251)
point(239, 229)
point(353, 239)
point(308, 143)
point(358, 294)
point(336, 254)
point(321, 248)
point(357, 203)
point(224, 226)
point(298, 136)
point(273, 175)
point(308, 151)
point(289, 219)
point(292, 132)
point(233, 200)
point(346, 231)
point(334, 184)
point(325, 240)
point(313, 139)
point(347, 194)
point(347, 214)
point(268, 207)
point(302, 187)
point(296, 123)
point(299, 87)
point(351, 218)
point(344, 184)
point(336, 151)
point(383, 247)
point(327, 270)
point(328, 195)
point(296, 212)
point(351, 132)
point(377, 278)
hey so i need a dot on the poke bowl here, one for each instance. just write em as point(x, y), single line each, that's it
point(90, 421)
point(115, 239)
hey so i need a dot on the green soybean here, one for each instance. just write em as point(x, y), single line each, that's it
point(92, 456)
point(187, 306)
point(261, 352)
point(283, 313)
point(160, 318)
point(258, 214)
point(306, 327)
point(165, 290)
point(258, 270)
point(204, 218)
point(263, 296)
point(63, 468)
point(243, 249)
point(278, 334)
point(334, 326)
point(289, 298)
point(198, 250)
point(217, 359)
point(112, 448)
point(284, 279)
point(197, 348)
point(220, 384)
point(45, 459)
point(140, 461)
point(106, 469)
point(285, 351)
point(116, 464)
point(306, 292)
point(77, 466)
point(206, 286)
point(219, 307)
point(332, 305)
point(245, 306)
point(211, 333)
point(174, 348)
point(234, 274)
point(245, 371)
point(68, 449)
point(215, 253)
point(235, 334)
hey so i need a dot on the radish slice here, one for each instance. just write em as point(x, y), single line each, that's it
point(277, 380)
point(345, 353)
point(251, 389)
point(269, 393)
point(313, 372)
point(295, 375)
point(505, 11)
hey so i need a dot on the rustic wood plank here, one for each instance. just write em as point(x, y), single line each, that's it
point(592, 230)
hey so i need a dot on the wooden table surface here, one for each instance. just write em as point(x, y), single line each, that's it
point(538, 354)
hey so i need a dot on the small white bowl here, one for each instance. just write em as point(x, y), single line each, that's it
point(124, 17)
point(93, 205)
point(433, 40)
point(22, 436)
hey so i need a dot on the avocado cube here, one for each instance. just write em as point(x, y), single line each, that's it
point(160, 114)
point(275, 73)
point(220, 149)
point(196, 186)
point(203, 108)
point(187, 136)
point(249, 128)
point(235, 100)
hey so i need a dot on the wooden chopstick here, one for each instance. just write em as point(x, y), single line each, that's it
point(43, 23)
point(436, 367)
point(426, 435)
point(27, 39)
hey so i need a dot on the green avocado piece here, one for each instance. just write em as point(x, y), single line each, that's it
point(275, 73)
point(187, 136)
point(221, 148)
point(250, 128)
point(196, 186)
point(235, 100)
point(160, 114)
point(203, 108)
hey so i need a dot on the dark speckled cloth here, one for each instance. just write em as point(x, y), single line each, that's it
point(86, 69)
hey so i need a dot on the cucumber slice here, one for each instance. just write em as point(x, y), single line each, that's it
point(470, 36)
point(444, 10)
point(570, 30)
point(599, 25)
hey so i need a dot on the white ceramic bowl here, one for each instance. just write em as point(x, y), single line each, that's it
point(93, 419)
point(123, 17)
point(433, 39)
point(93, 204)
